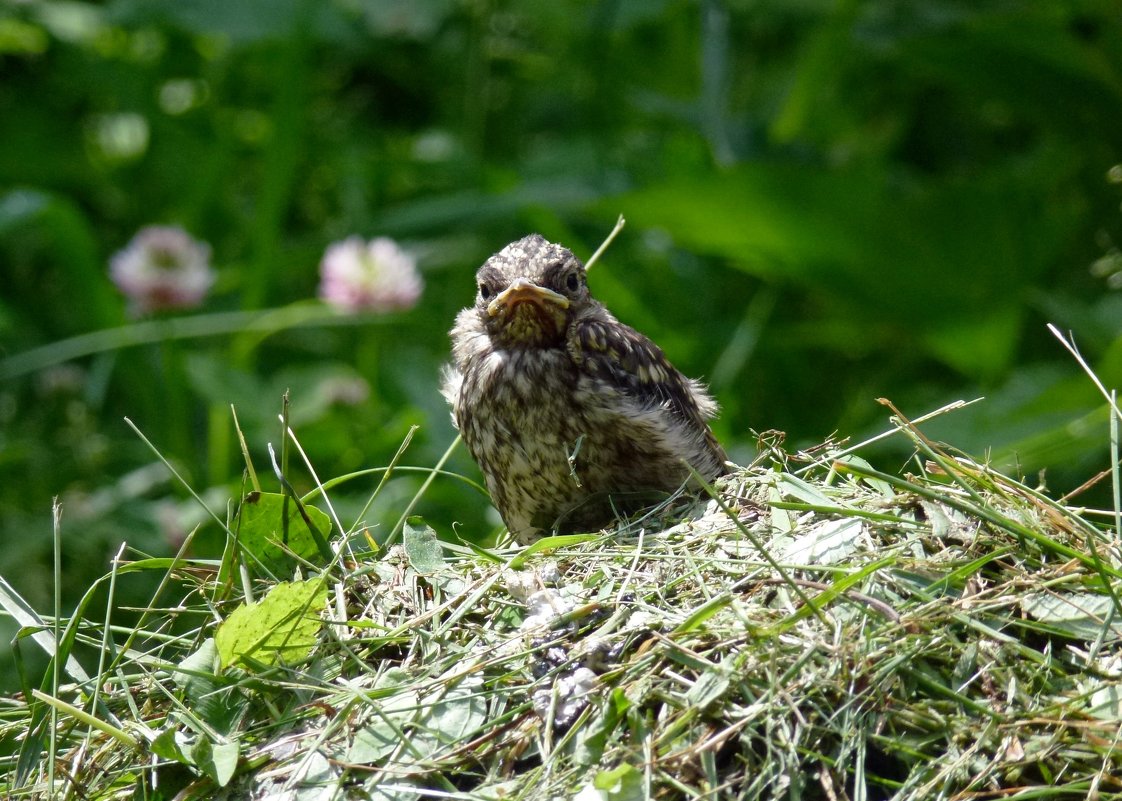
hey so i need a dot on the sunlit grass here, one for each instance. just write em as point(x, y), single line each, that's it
point(819, 629)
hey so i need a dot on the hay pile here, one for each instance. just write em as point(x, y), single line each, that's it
point(825, 632)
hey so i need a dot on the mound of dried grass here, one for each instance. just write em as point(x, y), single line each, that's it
point(828, 632)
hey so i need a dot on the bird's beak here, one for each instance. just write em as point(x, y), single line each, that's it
point(523, 291)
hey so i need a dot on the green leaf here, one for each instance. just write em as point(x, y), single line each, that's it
point(828, 542)
point(1105, 703)
point(422, 547)
point(547, 544)
point(206, 693)
point(883, 487)
point(262, 534)
point(169, 744)
point(1081, 615)
point(457, 713)
point(383, 732)
point(448, 717)
point(282, 626)
point(375, 742)
point(710, 685)
point(441, 720)
point(624, 783)
point(216, 760)
point(320, 780)
point(590, 740)
point(196, 673)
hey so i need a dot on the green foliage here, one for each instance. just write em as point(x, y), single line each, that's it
point(818, 627)
point(827, 202)
point(281, 627)
point(276, 534)
point(422, 547)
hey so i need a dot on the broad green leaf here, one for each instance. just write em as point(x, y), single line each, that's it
point(1081, 615)
point(458, 712)
point(710, 685)
point(440, 720)
point(422, 547)
point(624, 783)
point(319, 780)
point(207, 694)
point(261, 533)
point(825, 543)
point(1105, 703)
point(376, 741)
point(382, 733)
point(170, 744)
point(216, 760)
point(948, 523)
point(590, 740)
point(196, 674)
point(883, 487)
point(282, 626)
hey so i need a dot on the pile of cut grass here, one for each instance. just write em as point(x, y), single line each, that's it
point(825, 632)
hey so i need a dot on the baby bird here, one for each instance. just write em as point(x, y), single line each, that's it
point(573, 417)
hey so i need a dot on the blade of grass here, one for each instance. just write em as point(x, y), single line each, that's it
point(331, 483)
point(56, 663)
point(950, 407)
point(245, 451)
point(290, 495)
point(221, 523)
point(1115, 477)
point(82, 716)
point(19, 610)
point(312, 471)
point(149, 332)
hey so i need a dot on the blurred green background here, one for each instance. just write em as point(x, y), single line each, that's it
point(828, 201)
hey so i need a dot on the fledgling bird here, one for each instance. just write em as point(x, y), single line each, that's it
point(572, 416)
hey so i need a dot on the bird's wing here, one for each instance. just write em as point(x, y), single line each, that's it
point(628, 361)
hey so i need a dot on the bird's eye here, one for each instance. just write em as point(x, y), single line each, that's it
point(484, 291)
point(572, 282)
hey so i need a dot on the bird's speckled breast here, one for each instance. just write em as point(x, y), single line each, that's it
point(521, 430)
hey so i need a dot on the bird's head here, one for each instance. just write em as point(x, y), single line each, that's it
point(529, 291)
